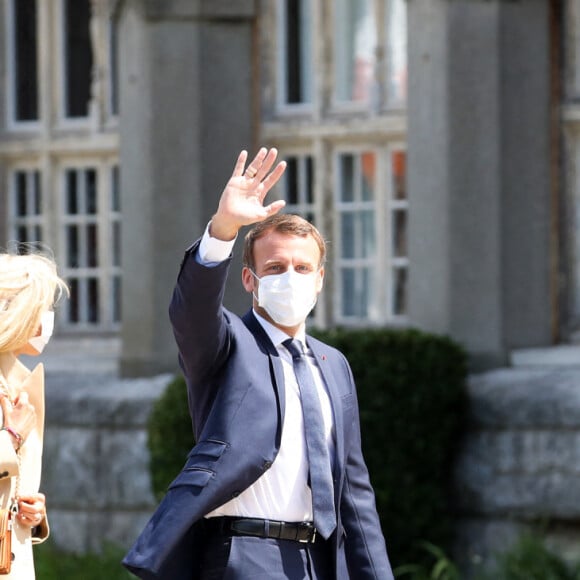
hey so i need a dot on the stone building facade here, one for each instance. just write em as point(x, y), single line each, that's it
point(434, 142)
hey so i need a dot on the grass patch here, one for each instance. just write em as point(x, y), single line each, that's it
point(53, 564)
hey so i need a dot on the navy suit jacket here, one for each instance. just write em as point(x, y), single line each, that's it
point(236, 398)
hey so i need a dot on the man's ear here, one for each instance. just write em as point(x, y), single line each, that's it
point(247, 279)
point(320, 279)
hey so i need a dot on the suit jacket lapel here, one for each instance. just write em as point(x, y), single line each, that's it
point(265, 344)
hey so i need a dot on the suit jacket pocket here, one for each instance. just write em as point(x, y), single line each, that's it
point(200, 464)
point(192, 477)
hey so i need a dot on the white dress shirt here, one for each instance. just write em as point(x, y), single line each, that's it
point(282, 492)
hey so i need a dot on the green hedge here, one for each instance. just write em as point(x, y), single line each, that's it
point(411, 389)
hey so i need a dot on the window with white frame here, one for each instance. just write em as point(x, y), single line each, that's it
point(60, 55)
point(356, 235)
point(26, 208)
point(371, 236)
point(346, 165)
point(91, 245)
point(22, 60)
point(295, 52)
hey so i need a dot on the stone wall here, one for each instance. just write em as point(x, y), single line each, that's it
point(519, 464)
point(95, 465)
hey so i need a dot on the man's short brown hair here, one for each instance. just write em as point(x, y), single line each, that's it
point(284, 223)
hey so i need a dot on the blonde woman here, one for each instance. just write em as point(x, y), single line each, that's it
point(29, 288)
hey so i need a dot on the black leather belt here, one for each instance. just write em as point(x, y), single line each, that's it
point(303, 532)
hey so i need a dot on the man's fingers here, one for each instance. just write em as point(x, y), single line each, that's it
point(275, 207)
point(265, 162)
point(239, 167)
point(273, 178)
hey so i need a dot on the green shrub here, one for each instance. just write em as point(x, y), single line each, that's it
point(411, 393)
point(442, 568)
point(411, 390)
point(530, 559)
point(52, 564)
point(169, 435)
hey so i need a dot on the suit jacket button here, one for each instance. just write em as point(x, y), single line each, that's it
point(235, 493)
point(267, 465)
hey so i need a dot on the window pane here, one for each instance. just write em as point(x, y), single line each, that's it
point(347, 235)
point(78, 57)
point(113, 67)
point(116, 299)
point(115, 190)
point(25, 57)
point(355, 34)
point(71, 192)
point(397, 51)
point(91, 191)
point(298, 40)
point(21, 194)
point(291, 181)
point(400, 233)
point(73, 301)
point(309, 180)
point(355, 292)
point(346, 178)
point(22, 234)
point(93, 300)
point(72, 246)
point(368, 176)
point(399, 291)
point(92, 246)
point(37, 194)
point(116, 243)
point(399, 172)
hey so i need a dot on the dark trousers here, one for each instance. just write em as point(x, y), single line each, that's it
point(251, 558)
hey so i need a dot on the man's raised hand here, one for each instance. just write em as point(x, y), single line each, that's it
point(242, 201)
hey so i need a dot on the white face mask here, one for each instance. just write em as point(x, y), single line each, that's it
point(289, 297)
point(47, 326)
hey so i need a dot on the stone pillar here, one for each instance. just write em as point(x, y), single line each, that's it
point(186, 101)
point(478, 173)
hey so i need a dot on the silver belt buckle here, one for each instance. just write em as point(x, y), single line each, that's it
point(310, 527)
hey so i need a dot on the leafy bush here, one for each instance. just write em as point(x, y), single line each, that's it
point(411, 390)
point(530, 559)
point(411, 393)
point(442, 567)
point(527, 559)
point(52, 564)
point(169, 435)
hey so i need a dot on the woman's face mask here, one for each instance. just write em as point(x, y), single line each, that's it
point(289, 297)
point(47, 326)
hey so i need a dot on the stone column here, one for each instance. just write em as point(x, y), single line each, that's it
point(186, 101)
point(478, 173)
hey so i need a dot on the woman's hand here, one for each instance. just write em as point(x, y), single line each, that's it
point(20, 417)
point(31, 509)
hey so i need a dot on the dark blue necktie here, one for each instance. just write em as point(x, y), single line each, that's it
point(316, 446)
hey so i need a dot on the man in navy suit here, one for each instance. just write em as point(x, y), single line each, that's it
point(247, 504)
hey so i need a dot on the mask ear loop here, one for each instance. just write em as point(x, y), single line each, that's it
point(258, 279)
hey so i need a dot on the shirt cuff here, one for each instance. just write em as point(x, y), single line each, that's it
point(213, 251)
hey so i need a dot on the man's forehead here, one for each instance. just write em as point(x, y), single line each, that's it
point(274, 244)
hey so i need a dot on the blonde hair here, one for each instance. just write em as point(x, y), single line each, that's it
point(29, 287)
